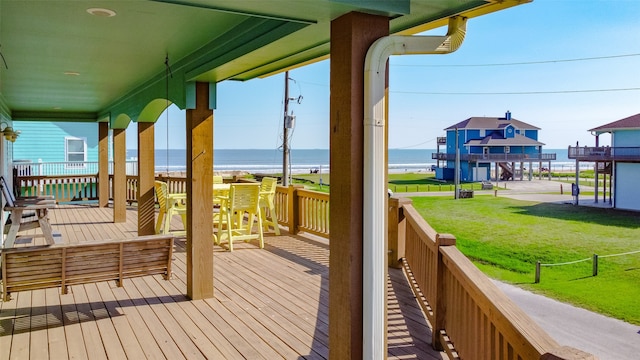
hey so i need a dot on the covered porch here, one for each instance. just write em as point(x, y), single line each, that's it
point(267, 304)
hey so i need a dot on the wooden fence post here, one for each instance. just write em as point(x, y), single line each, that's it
point(292, 205)
point(397, 231)
point(440, 306)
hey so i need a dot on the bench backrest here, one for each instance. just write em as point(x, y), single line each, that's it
point(41, 267)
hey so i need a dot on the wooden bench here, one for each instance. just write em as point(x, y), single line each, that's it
point(61, 265)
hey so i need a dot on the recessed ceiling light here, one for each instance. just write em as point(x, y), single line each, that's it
point(72, 73)
point(101, 12)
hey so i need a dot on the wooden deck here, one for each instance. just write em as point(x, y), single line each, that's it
point(268, 304)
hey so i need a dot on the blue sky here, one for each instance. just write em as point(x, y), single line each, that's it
point(431, 92)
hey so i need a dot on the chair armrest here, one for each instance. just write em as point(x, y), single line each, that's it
point(40, 197)
point(177, 196)
point(43, 204)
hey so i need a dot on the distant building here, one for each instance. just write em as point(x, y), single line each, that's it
point(504, 142)
point(620, 161)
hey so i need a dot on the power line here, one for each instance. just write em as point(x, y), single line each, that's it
point(412, 146)
point(524, 63)
point(500, 93)
point(514, 92)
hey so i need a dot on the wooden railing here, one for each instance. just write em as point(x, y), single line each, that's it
point(605, 153)
point(303, 210)
point(65, 188)
point(313, 212)
point(73, 188)
point(297, 208)
point(471, 317)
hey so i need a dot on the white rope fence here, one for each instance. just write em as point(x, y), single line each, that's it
point(594, 258)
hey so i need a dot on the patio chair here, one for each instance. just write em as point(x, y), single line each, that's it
point(243, 199)
point(268, 205)
point(217, 179)
point(170, 204)
point(220, 192)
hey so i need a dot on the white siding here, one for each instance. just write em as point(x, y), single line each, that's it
point(627, 191)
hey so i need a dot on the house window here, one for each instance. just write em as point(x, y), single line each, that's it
point(75, 153)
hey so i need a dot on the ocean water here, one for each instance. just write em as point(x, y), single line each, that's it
point(305, 160)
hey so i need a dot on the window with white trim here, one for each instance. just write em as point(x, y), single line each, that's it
point(75, 152)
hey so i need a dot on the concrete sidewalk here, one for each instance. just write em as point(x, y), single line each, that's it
point(607, 338)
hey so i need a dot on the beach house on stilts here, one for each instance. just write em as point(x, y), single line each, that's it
point(481, 144)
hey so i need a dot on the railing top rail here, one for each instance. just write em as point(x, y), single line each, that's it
point(313, 194)
point(420, 226)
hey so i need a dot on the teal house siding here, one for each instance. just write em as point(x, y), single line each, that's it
point(44, 141)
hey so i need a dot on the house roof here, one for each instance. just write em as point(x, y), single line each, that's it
point(497, 140)
point(491, 123)
point(70, 60)
point(628, 123)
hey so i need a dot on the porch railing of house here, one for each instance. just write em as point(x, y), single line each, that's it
point(297, 208)
point(604, 153)
point(467, 311)
point(469, 314)
point(496, 157)
point(28, 168)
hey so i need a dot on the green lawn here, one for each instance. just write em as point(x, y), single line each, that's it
point(506, 237)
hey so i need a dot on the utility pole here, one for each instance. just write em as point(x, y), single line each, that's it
point(456, 176)
point(285, 142)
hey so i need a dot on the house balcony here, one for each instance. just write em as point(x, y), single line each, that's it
point(604, 153)
point(507, 157)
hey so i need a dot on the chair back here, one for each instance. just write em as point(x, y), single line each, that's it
point(161, 194)
point(244, 197)
point(268, 185)
point(217, 179)
point(7, 193)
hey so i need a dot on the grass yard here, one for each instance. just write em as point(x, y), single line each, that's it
point(505, 238)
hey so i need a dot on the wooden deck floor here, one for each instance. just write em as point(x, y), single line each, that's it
point(268, 304)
